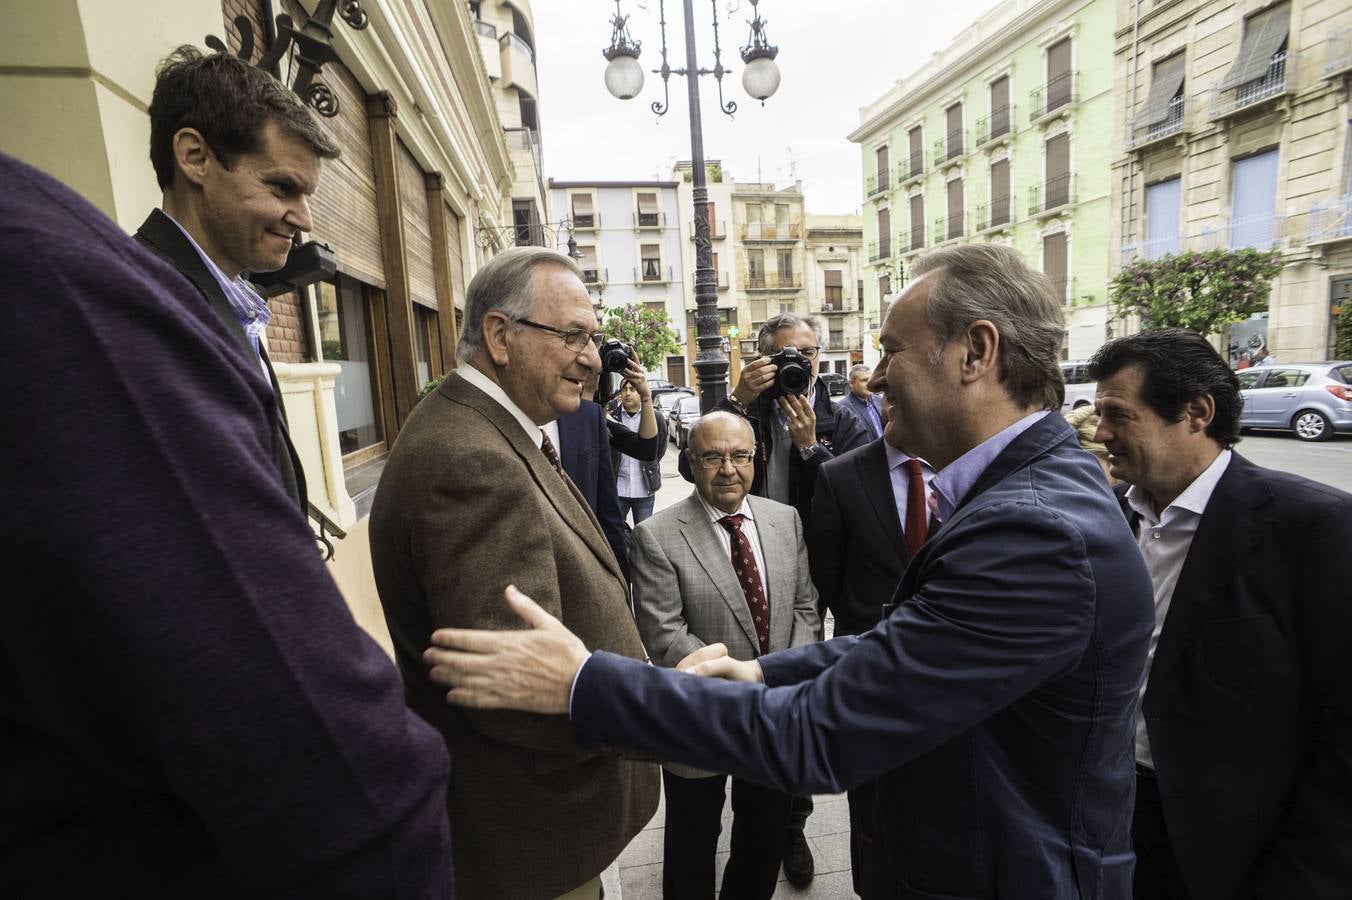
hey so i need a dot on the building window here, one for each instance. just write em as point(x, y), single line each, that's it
point(1060, 78)
point(1261, 55)
point(884, 285)
point(1163, 111)
point(1162, 214)
point(1253, 201)
point(953, 136)
point(1057, 188)
point(1000, 112)
point(1054, 264)
point(915, 163)
point(649, 214)
point(651, 255)
point(586, 261)
point(424, 326)
point(955, 209)
point(917, 222)
point(786, 268)
point(755, 268)
point(836, 337)
point(345, 338)
point(884, 234)
point(835, 289)
point(999, 204)
point(786, 308)
point(758, 311)
point(881, 169)
point(676, 370)
point(584, 213)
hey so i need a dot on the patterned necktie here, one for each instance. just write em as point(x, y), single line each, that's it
point(917, 509)
point(547, 446)
point(744, 564)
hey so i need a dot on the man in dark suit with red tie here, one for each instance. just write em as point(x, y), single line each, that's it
point(870, 514)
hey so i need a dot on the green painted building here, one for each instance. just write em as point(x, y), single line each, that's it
point(1003, 136)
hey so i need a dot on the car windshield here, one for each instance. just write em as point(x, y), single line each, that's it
point(667, 401)
point(687, 406)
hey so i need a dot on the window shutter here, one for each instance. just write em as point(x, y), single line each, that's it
point(1264, 35)
point(1165, 83)
point(422, 283)
point(999, 122)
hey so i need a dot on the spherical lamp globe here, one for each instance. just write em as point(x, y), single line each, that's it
point(760, 78)
point(624, 76)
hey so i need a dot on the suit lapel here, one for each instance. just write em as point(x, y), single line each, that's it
point(698, 532)
point(875, 483)
point(562, 493)
point(1225, 537)
point(780, 552)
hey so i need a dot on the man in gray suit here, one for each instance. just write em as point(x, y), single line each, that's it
point(722, 567)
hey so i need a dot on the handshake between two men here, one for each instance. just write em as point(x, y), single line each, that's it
point(533, 670)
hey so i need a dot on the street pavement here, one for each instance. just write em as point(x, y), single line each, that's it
point(828, 830)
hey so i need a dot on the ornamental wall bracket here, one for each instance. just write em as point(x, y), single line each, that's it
point(313, 41)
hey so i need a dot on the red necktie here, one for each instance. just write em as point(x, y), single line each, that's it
point(744, 564)
point(547, 447)
point(917, 509)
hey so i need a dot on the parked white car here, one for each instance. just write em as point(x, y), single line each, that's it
point(1079, 389)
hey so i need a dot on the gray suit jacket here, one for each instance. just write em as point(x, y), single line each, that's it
point(686, 594)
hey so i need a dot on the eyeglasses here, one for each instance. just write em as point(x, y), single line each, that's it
point(575, 339)
point(809, 352)
point(740, 458)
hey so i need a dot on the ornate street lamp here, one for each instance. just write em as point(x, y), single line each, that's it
point(624, 79)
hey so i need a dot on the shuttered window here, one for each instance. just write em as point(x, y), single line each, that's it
point(422, 283)
point(953, 116)
point(1253, 201)
point(344, 205)
point(1057, 187)
point(1060, 83)
point(454, 225)
point(916, 137)
point(583, 216)
point(1166, 83)
point(1162, 213)
point(882, 167)
point(955, 218)
point(917, 222)
point(1054, 263)
point(884, 232)
point(999, 121)
point(999, 208)
point(1264, 34)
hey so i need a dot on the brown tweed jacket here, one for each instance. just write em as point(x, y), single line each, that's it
point(467, 505)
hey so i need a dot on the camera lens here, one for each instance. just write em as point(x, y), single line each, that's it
point(793, 379)
point(614, 356)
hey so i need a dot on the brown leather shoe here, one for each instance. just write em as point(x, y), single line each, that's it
point(798, 865)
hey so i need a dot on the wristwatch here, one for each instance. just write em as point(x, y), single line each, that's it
point(808, 451)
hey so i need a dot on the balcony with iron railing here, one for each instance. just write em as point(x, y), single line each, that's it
point(1329, 221)
point(840, 342)
point(1155, 248)
point(910, 169)
point(950, 148)
point(652, 272)
point(772, 281)
point(839, 306)
point(771, 231)
point(877, 183)
point(1264, 231)
point(1338, 53)
point(649, 220)
point(718, 230)
point(1051, 197)
point(911, 240)
point(951, 227)
point(595, 276)
point(1063, 289)
point(996, 213)
point(1142, 134)
point(586, 221)
point(879, 250)
point(997, 128)
point(1278, 81)
point(1060, 94)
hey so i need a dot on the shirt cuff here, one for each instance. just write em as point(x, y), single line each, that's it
point(573, 689)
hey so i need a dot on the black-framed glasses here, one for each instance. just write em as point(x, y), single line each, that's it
point(575, 339)
point(809, 352)
point(739, 458)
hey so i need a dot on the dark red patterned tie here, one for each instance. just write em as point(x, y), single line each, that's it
point(551, 454)
point(917, 510)
point(748, 573)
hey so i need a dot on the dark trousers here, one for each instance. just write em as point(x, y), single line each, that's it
point(799, 810)
point(642, 507)
point(1157, 874)
point(690, 839)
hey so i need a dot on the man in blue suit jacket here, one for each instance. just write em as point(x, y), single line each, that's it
point(863, 402)
point(994, 706)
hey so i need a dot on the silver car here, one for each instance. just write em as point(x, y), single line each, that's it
point(1314, 400)
point(683, 415)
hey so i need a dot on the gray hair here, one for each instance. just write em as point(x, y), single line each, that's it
point(503, 285)
point(992, 282)
point(855, 370)
point(716, 416)
point(776, 324)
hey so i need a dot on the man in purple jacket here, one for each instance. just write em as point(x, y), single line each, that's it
point(186, 707)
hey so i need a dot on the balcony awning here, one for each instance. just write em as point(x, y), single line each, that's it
point(1164, 86)
point(647, 204)
point(582, 204)
point(1264, 35)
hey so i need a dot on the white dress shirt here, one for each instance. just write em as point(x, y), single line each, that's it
point(1164, 541)
point(498, 395)
point(748, 529)
point(901, 481)
point(629, 479)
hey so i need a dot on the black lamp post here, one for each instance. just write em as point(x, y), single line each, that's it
point(624, 79)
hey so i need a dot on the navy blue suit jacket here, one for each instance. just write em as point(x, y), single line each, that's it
point(994, 706)
point(585, 456)
point(860, 409)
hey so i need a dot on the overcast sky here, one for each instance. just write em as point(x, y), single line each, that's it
point(834, 57)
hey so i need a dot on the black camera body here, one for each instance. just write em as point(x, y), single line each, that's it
point(793, 374)
point(614, 356)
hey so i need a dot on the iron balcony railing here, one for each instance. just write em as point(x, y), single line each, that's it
point(595, 276)
point(836, 307)
point(1141, 133)
point(953, 225)
point(770, 281)
point(586, 221)
point(1265, 231)
point(911, 167)
point(771, 231)
point(1329, 220)
point(650, 220)
point(950, 146)
point(1152, 249)
point(841, 342)
point(879, 250)
point(1278, 80)
point(877, 183)
point(1052, 195)
point(999, 124)
point(1059, 91)
point(994, 213)
point(1338, 53)
point(913, 240)
point(652, 272)
point(717, 230)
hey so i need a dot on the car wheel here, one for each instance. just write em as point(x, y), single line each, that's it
point(1311, 425)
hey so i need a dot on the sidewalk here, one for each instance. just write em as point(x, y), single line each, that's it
point(828, 829)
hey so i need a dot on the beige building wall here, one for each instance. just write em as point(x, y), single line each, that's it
point(835, 243)
point(755, 227)
point(1304, 118)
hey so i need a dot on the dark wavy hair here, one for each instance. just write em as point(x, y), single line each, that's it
point(1179, 366)
point(230, 102)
